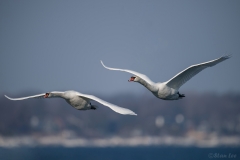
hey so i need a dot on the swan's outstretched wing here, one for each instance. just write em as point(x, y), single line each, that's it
point(178, 80)
point(144, 77)
point(22, 98)
point(112, 106)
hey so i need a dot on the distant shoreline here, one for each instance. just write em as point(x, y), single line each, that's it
point(44, 141)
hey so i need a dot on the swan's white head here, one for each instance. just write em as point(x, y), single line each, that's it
point(54, 94)
point(134, 79)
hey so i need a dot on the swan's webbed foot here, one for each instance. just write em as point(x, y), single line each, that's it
point(180, 95)
point(92, 106)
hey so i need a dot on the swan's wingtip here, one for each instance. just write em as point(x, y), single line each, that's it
point(7, 97)
point(128, 112)
point(103, 63)
point(227, 56)
point(133, 114)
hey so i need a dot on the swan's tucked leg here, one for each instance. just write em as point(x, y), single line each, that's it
point(180, 95)
point(93, 106)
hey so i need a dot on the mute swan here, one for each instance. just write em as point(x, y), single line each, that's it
point(169, 90)
point(79, 101)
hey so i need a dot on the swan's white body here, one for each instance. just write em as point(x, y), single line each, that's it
point(169, 90)
point(79, 101)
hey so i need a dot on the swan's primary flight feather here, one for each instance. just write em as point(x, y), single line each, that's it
point(182, 77)
point(112, 106)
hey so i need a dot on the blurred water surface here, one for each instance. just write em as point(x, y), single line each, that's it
point(119, 153)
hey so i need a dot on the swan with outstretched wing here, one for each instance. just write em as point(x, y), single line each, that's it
point(79, 101)
point(169, 90)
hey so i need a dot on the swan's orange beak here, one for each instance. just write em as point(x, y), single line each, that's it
point(131, 79)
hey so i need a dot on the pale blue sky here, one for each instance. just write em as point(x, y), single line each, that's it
point(58, 45)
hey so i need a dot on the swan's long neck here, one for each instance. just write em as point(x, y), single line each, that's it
point(150, 87)
point(57, 94)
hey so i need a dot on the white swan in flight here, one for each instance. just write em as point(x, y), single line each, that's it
point(78, 100)
point(169, 90)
